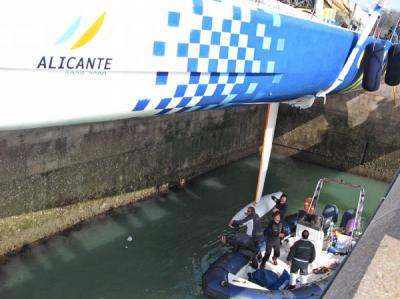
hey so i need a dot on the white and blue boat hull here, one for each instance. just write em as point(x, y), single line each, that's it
point(102, 60)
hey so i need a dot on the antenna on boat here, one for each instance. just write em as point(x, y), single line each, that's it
point(363, 38)
point(270, 124)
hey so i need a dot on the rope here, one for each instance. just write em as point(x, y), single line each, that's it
point(394, 31)
point(376, 33)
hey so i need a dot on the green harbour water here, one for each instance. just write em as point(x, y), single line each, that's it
point(174, 236)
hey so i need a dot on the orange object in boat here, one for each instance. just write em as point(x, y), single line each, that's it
point(309, 206)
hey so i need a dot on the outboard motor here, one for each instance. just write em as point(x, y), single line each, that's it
point(346, 217)
point(331, 211)
point(331, 214)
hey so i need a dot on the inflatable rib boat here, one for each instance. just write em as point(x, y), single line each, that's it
point(233, 275)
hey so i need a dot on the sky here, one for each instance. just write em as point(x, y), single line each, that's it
point(389, 4)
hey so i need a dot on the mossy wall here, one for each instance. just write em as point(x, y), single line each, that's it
point(357, 132)
point(51, 167)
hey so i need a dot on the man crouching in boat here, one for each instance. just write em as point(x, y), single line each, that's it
point(253, 226)
point(301, 254)
point(250, 243)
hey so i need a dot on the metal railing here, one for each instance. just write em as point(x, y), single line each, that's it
point(357, 230)
point(294, 3)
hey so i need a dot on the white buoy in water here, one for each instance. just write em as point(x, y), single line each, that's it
point(129, 239)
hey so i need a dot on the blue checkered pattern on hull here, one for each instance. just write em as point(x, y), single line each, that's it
point(228, 61)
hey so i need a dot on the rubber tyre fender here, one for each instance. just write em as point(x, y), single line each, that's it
point(374, 53)
point(392, 77)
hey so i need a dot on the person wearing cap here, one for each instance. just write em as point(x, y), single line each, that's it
point(281, 205)
point(253, 226)
point(301, 254)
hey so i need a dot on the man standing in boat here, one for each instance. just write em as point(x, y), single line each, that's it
point(281, 205)
point(301, 254)
point(253, 226)
point(274, 233)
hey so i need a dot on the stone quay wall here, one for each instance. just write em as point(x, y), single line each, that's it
point(52, 167)
point(358, 132)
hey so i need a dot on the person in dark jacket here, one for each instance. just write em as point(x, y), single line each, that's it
point(253, 225)
point(300, 255)
point(240, 242)
point(274, 233)
point(281, 205)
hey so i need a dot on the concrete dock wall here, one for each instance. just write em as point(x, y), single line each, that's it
point(53, 167)
point(50, 167)
point(355, 132)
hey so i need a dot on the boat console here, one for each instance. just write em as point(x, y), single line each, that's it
point(314, 225)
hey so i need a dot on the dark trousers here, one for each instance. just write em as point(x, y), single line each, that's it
point(274, 243)
point(299, 265)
